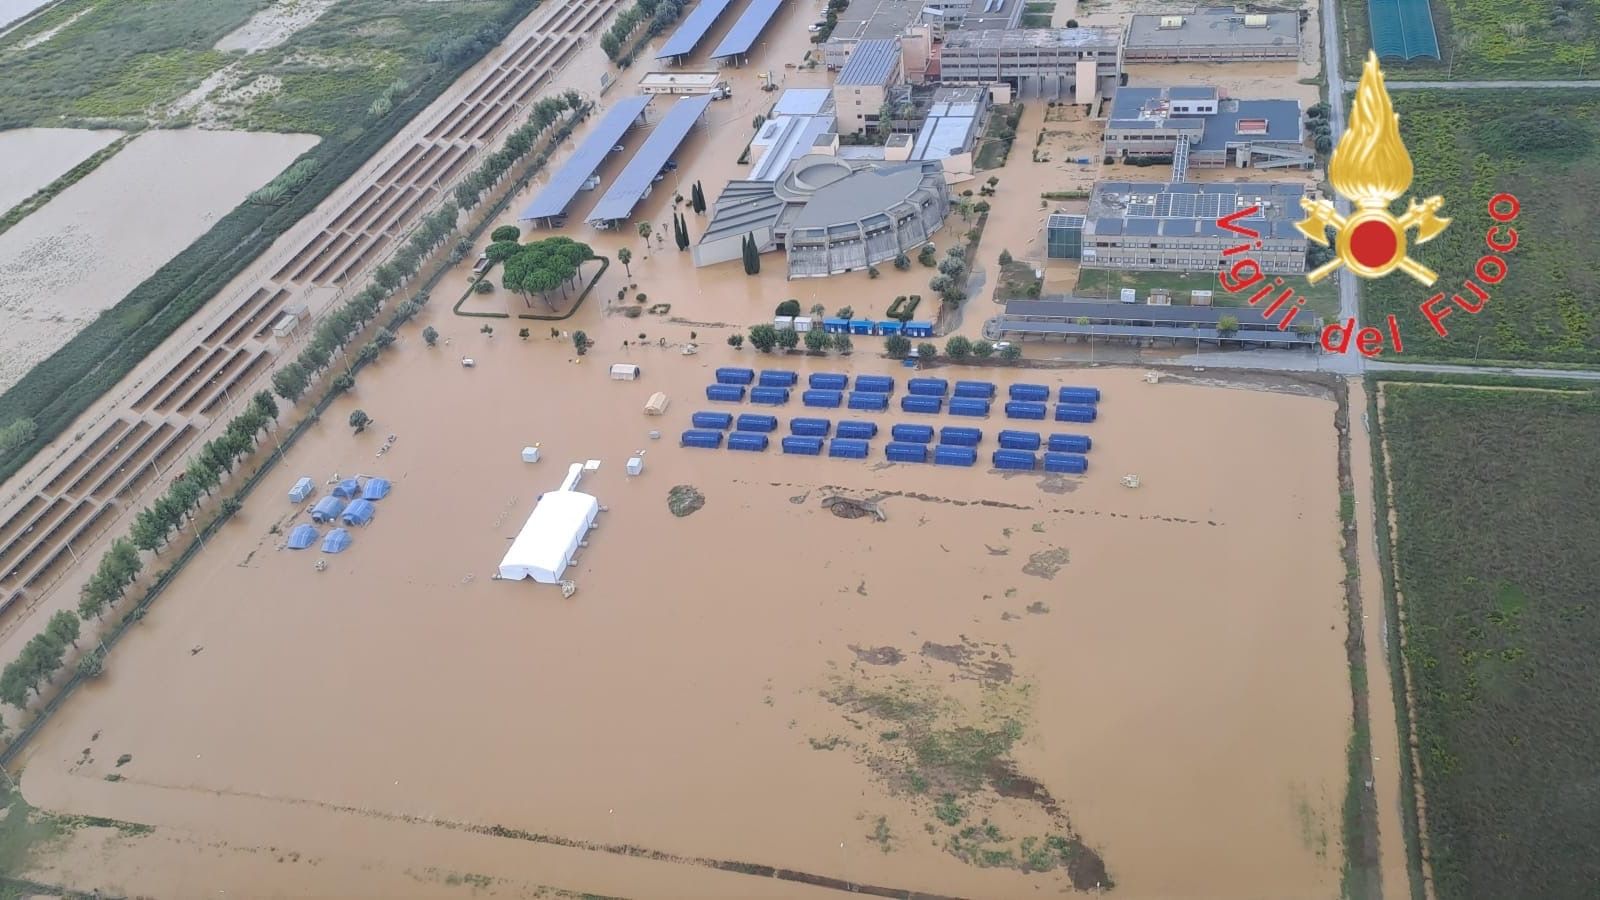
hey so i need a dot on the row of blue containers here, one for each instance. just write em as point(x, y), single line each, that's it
point(1009, 458)
point(869, 327)
point(884, 384)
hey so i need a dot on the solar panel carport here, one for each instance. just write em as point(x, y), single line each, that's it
point(742, 36)
point(635, 180)
point(694, 27)
point(565, 184)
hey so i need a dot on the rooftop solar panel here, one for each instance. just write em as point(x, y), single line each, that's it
point(635, 180)
point(742, 36)
point(569, 179)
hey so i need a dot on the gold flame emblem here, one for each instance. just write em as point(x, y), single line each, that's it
point(1371, 169)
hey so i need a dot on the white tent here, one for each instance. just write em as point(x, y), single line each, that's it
point(550, 537)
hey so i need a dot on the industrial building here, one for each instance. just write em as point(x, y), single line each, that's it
point(830, 215)
point(931, 123)
point(1213, 35)
point(868, 20)
point(1080, 65)
point(973, 15)
point(1173, 227)
point(861, 88)
point(1084, 320)
point(1196, 126)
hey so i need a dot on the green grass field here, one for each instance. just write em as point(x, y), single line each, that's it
point(1497, 508)
point(1543, 147)
point(1490, 40)
point(1107, 284)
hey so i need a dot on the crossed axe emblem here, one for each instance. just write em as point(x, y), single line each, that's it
point(1372, 241)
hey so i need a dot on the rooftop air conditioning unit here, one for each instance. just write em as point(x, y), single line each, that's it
point(1171, 22)
point(1255, 21)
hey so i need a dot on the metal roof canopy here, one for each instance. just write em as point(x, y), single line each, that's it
point(742, 36)
point(635, 180)
point(694, 27)
point(565, 184)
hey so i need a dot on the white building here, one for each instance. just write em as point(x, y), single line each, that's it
point(550, 537)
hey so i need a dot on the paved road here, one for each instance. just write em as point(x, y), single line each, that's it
point(1349, 296)
point(1469, 85)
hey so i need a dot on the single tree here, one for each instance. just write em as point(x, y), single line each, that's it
point(845, 312)
point(359, 420)
point(736, 341)
point(228, 507)
point(902, 261)
point(993, 180)
point(64, 626)
point(147, 532)
point(644, 232)
point(897, 346)
point(580, 341)
point(788, 338)
point(523, 333)
point(817, 340)
point(342, 383)
point(982, 349)
point(91, 664)
point(1005, 257)
point(817, 310)
point(625, 256)
point(430, 336)
point(787, 308)
point(505, 233)
point(763, 337)
point(1228, 324)
point(202, 473)
point(384, 338)
point(1011, 351)
point(263, 403)
point(927, 353)
point(958, 348)
point(14, 686)
point(872, 272)
point(186, 494)
point(927, 255)
point(841, 343)
point(290, 381)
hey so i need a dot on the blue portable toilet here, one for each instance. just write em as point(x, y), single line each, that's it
point(802, 445)
point(1069, 443)
point(755, 422)
point(981, 390)
point(854, 428)
point(917, 434)
point(1036, 393)
point(810, 427)
point(828, 381)
point(917, 404)
point(1019, 440)
point(1072, 412)
point(735, 375)
point(847, 448)
point(875, 384)
point(1082, 395)
point(700, 437)
point(769, 396)
point(888, 327)
point(1023, 460)
point(860, 326)
point(918, 329)
point(717, 420)
point(947, 455)
point(836, 326)
point(824, 399)
point(1069, 463)
point(957, 436)
point(969, 406)
point(898, 451)
point(1022, 409)
point(747, 440)
point(777, 378)
point(727, 393)
point(928, 387)
point(869, 402)
point(302, 536)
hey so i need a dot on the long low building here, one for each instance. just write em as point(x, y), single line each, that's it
point(1067, 317)
point(1213, 35)
point(1078, 64)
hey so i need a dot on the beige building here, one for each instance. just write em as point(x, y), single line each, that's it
point(863, 84)
point(1213, 35)
point(1078, 65)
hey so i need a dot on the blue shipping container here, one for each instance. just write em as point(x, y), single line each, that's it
point(828, 381)
point(1070, 443)
point(769, 396)
point(1071, 412)
point(744, 440)
point(1019, 440)
point(874, 402)
point(956, 436)
point(921, 434)
point(875, 384)
point(1032, 392)
point(889, 327)
point(717, 420)
point(1021, 409)
point(735, 376)
point(813, 427)
point(803, 446)
point(825, 399)
point(696, 437)
point(732, 393)
point(946, 455)
point(850, 428)
point(848, 449)
point(918, 329)
point(1071, 463)
point(983, 390)
point(918, 404)
point(1015, 459)
point(928, 387)
point(967, 406)
point(1072, 394)
point(902, 452)
point(756, 422)
point(860, 326)
point(778, 378)
point(836, 326)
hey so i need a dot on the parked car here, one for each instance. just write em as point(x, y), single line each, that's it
point(617, 149)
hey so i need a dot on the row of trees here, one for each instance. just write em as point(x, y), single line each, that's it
point(680, 232)
point(697, 198)
point(658, 13)
point(766, 338)
point(518, 144)
point(40, 659)
point(751, 255)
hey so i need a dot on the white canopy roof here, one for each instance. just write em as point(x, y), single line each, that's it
point(550, 537)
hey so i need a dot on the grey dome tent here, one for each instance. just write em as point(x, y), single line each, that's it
point(375, 489)
point(358, 513)
point(302, 537)
point(327, 509)
point(336, 541)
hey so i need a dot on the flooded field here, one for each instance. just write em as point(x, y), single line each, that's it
point(37, 156)
point(80, 254)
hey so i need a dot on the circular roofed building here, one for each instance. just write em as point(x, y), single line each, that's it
point(852, 217)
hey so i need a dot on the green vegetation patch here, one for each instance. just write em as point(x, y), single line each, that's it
point(1496, 519)
point(1483, 40)
point(1543, 147)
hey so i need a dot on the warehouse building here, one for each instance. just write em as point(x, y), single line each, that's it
point(1079, 65)
point(1173, 227)
point(1196, 126)
point(1213, 35)
point(830, 215)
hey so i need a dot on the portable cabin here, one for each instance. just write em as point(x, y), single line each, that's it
point(701, 437)
point(846, 448)
point(810, 427)
point(824, 399)
point(836, 326)
point(1069, 463)
point(928, 387)
point(735, 375)
point(802, 324)
point(777, 378)
point(747, 440)
point(376, 489)
point(1022, 409)
point(869, 402)
point(769, 396)
point(957, 436)
point(358, 513)
point(981, 390)
point(657, 404)
point(1069, 443)
point(802, 445)
point(898, 451)
point(875, 384)
point(755, 422)
point(1083, 395)
point(347, 489)
point(1022, 460)
point(889, 327)
point(917, 434)
point(302, 489)
point(782, 322)
point(286, 325)
point(1035, 393)
point(828, 381)
point(727, 393)
point(917, 404)
point(947, 455)
point(635, 465)
point(917, 329)
point(854, 428)
point(860, 326)
point(624, 372)
point(717, 420)
point(969, 406)
point(302, 536)
point(1072, 412)
point(1020, 440)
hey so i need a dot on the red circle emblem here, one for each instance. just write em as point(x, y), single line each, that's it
point(1373, 244)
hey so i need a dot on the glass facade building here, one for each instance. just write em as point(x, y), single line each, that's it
point(1063, 236)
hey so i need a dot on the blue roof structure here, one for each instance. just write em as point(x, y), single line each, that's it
point(336, 541)
point(634, 182)
point(694, 27)
point(358, 513)
point(742, 36)
point(302, 536)
point(375, 489)
point(569, 179)
point(870, 63)
point(327, 509)
point(1402, 29)
point(347, 488)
